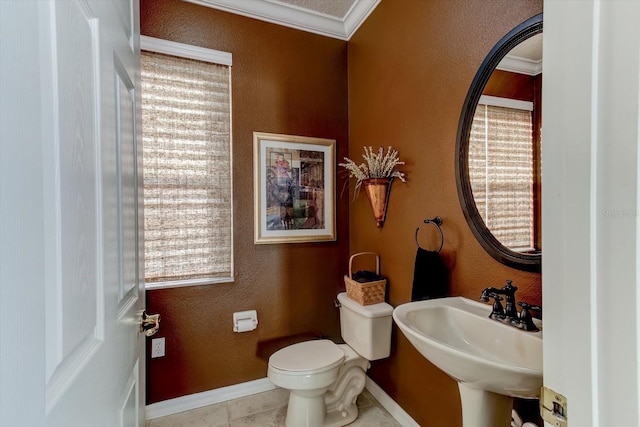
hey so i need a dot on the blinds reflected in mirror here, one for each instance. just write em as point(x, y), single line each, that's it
point(501, 173)
point(187, 169)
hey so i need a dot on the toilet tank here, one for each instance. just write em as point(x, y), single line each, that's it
point(366, 328)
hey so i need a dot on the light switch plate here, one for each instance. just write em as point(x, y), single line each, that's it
point(553, 407)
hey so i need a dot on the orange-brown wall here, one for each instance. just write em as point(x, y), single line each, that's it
point(283, 81)
point(410, 66)
point(505, 84)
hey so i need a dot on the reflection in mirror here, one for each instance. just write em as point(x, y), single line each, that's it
point(498, 149)
point(504, 149)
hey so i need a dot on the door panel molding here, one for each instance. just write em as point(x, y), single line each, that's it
point(77, 268)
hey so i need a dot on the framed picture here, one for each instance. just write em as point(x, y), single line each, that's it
point(294, 188)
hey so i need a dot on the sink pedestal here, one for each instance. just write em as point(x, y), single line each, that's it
point(481, 408)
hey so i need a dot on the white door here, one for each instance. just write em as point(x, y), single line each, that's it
point(591, 209)
point(84, 259)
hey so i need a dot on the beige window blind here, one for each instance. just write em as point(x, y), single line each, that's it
point(187, 170)
point(501, 173)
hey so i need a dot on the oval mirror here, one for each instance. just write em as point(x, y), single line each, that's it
point(498, 149)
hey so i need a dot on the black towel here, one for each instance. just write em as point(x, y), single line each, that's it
point(430, 276)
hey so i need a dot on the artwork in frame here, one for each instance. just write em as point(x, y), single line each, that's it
point(294, 188)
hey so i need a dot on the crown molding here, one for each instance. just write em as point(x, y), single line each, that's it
point(520, 65)
point(298, 18)
point(357, 15)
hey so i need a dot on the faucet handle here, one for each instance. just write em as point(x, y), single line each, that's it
point(526, 306)
point(526, 320)
point(497, 311)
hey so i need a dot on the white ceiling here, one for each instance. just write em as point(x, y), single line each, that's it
point(332, 18)
point(336, 8)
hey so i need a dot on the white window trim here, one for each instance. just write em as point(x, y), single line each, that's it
point(152, 44)
point(506, 103)
point(191, 282)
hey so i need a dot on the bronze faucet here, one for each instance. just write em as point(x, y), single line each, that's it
point(509, 314)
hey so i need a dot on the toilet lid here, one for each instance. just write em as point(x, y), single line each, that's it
point(307, 356)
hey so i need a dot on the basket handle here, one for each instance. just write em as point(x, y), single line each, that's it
point(364, 253)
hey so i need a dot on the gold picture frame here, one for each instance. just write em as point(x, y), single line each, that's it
point(294, 188)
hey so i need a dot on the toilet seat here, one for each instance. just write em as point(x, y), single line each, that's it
point(307, 357)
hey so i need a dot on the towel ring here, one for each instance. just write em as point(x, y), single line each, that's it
point(437, 221)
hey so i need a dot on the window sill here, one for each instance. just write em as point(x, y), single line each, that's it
point(184, 283)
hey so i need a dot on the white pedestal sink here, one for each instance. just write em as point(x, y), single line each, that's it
point(492, 362)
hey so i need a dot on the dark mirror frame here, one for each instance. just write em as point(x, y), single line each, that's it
point(520, 261)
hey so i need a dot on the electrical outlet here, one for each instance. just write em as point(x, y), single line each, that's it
point(157, 347)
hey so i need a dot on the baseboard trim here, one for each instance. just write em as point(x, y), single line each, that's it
point(198, 400)
point(390, 405)
point(224, 394)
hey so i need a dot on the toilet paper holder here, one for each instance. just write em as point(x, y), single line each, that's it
point(245, 321)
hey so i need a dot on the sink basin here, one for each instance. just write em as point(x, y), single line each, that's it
point(488, 359)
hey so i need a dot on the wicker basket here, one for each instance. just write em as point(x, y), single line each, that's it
point(368, 292)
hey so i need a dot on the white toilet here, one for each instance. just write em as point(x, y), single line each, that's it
point(324, 378)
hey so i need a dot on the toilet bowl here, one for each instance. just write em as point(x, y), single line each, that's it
point(306, 369)
point(324, 379)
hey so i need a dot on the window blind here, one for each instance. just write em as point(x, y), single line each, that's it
point(186, 137)
point(501, 173)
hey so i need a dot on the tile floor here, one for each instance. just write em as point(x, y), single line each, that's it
point(266, 409)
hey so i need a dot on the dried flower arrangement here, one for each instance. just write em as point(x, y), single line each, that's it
point(376, 165)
